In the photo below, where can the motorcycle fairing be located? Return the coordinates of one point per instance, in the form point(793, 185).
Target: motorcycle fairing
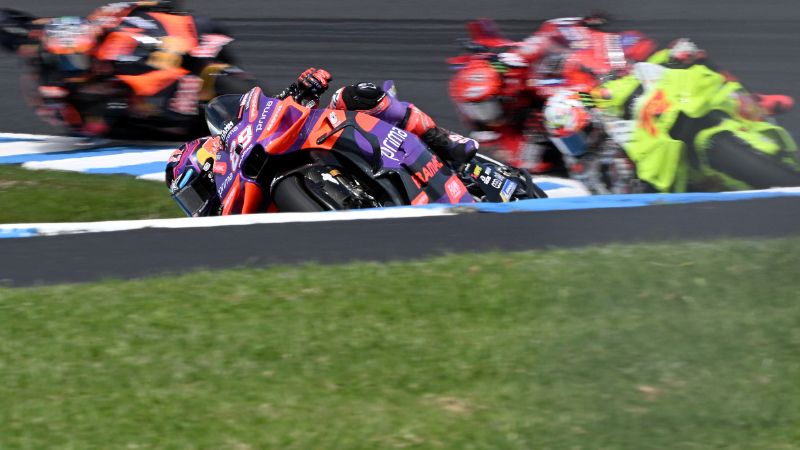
point(676, 118)
point(284, 126)
point(392, 152)
point(148, 50)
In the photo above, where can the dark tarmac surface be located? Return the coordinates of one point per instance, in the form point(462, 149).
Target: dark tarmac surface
point(408, 41)
point(134, 254)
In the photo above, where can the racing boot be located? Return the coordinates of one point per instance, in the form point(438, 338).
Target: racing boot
point(382, 104)
point(450, 146)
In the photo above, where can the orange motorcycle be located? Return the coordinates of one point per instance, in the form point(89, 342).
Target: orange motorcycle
point(126, 70)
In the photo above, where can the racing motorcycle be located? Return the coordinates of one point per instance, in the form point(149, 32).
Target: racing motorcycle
point(501, 98)
point(695, 129)
point(273, 154)
point(150, 70)
point(656, 125)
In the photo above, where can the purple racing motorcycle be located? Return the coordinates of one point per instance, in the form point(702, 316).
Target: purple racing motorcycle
point(275, 155)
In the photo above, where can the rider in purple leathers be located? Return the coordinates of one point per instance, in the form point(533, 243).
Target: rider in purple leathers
point(375, 101)
point(362, 97)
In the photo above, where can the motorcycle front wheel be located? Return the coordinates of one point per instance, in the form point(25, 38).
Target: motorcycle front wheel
point(290, 195)
point(321, 188)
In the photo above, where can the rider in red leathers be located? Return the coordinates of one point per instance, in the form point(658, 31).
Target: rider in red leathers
point(502, 88)
point(528, 101)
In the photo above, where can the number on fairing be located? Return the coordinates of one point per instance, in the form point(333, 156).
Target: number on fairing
point(245, 137)
point(239, 144)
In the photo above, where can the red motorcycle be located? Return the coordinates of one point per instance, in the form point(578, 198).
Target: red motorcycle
point(500, 86)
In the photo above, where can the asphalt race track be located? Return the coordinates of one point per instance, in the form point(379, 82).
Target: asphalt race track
point(133, 254)
point(408, 42)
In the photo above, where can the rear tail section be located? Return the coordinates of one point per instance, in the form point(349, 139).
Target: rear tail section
point(390, 88)
point(484, 35)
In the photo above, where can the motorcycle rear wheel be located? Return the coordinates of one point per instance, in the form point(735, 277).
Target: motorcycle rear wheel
point(734, 157)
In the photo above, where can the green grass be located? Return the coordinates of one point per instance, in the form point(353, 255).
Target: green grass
point(690, 346)
point(29, 196)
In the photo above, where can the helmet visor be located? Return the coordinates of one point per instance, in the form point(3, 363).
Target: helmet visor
point(195, 194)
point(74, 63)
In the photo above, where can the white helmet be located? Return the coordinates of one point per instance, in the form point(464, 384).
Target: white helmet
point(565, 114)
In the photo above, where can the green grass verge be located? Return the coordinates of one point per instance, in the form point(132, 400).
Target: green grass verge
point(691, 346)
point(29, 196)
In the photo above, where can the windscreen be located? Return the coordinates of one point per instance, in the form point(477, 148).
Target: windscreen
point(220, 111)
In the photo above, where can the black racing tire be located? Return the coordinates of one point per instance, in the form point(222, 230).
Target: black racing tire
point(290, 196)
point(538, 192)
point(734, 157)
point(534, 191)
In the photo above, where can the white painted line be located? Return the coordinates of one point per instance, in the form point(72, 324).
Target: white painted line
point(158, 176)
point(41, 137)
point(52, 229)
point(100, 162)
point(28, 147)
point(37, 144)
point(567, 187)
point(786, 190)
point(565, 193)
point(607, 201)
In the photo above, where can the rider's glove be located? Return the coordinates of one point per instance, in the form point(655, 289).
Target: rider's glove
point(312, 84)
point(314, 80)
